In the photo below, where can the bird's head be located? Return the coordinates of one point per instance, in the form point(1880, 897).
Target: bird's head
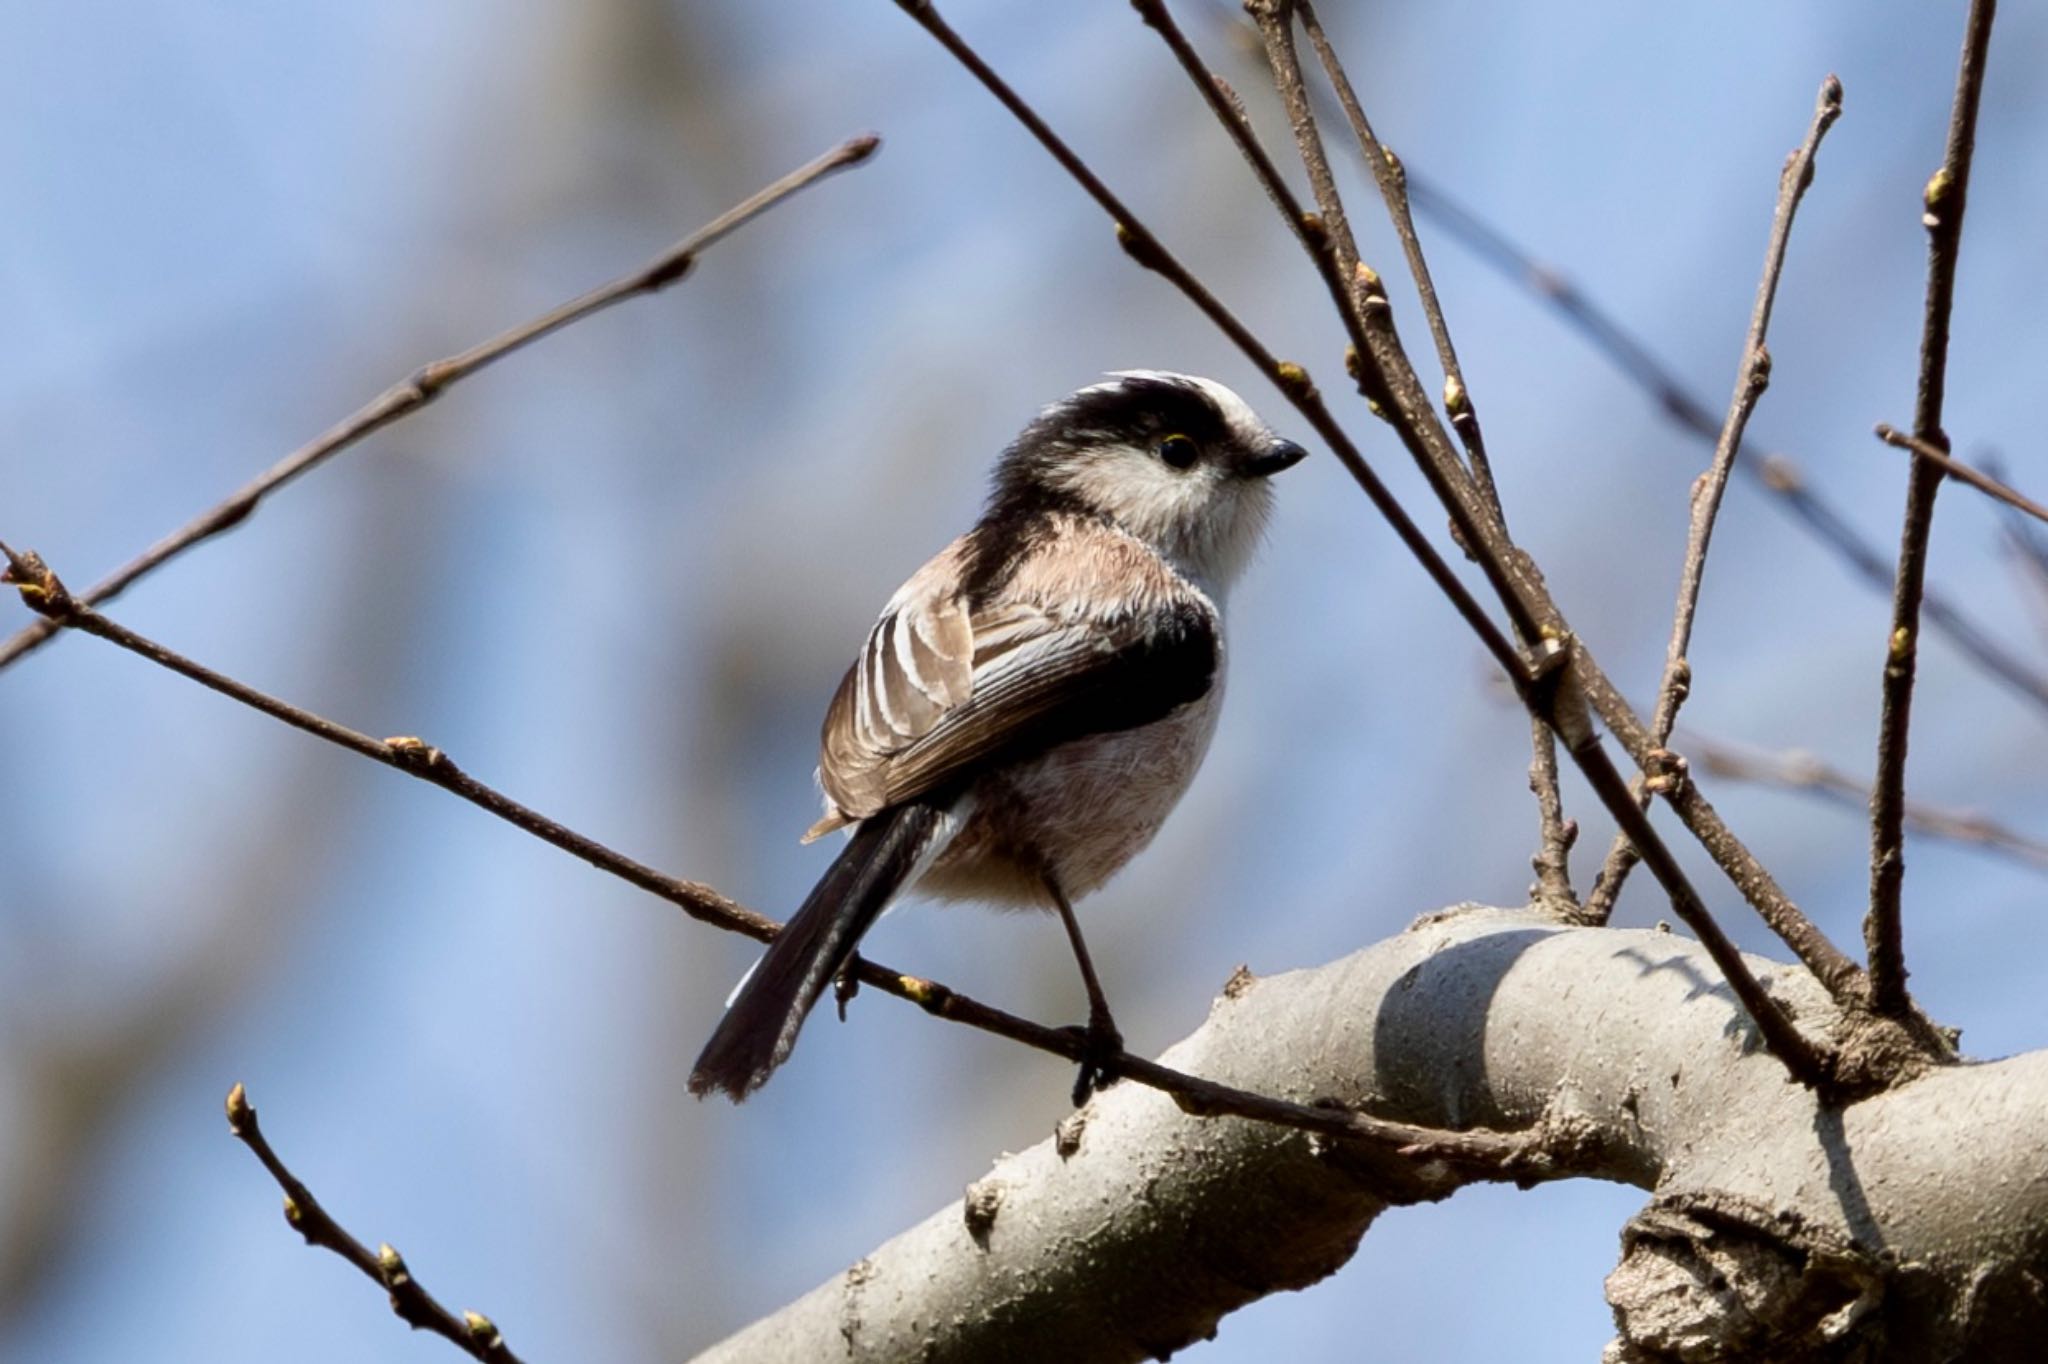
point(1179, 462)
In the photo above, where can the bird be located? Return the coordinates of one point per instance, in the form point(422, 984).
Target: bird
point(1032, 702)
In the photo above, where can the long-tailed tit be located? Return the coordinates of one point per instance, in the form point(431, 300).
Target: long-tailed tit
point(1034, 700)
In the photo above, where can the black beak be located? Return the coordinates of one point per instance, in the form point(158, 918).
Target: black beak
point(1281, 454)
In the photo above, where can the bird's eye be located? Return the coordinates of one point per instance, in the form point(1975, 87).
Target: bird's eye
point(1178, 451)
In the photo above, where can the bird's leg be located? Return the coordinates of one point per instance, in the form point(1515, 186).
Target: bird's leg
point(1103, 1041)
point(844, 988)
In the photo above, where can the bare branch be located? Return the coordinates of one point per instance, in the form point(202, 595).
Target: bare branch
point(1552, 861)
point(2027, 545)
point(1392, 179)
point(1949, 464)
point(472, 1332)
point(46, 593)
point(429, 382)
point(1946, 196)
point(1801, 771)
point(1752, 376)
point(1775, 472)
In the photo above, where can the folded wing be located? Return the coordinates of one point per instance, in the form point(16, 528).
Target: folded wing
point(940, 693)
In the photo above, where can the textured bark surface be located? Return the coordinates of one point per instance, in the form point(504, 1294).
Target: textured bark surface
point(1910, 1225)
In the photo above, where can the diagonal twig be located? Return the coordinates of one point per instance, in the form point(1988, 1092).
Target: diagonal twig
point(1554, 686)
point(2027, 546)
point(472, 1332)
point(44, 592)
point(1556, 834)
point(1949, 464)
point(1753, 375)
point(1801, 771)
point(1946, 195)
point(430, 381)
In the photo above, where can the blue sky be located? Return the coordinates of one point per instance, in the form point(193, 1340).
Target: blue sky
point(618, 576)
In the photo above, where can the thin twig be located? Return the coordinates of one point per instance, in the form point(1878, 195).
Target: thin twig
point(472, 1332)
point(1842, 977)
point(1801, 771)
point(2027, 546)
point(1552, 860)
point(45, 593)
point(424, 385)
point(1542, 684)
point(1777, 473)
point(1752, 376)
point(1949, 464)
point(1556, 834)
point(1354, 291)
point(1558, 696)
point(1946, 195)
point(1392, 179)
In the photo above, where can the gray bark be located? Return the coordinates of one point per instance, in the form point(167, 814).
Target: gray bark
point(1910, 1225)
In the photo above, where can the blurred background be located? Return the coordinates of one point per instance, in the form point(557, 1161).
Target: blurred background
point(619, 574)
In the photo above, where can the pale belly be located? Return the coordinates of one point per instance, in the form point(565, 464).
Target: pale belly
point(1083, 809)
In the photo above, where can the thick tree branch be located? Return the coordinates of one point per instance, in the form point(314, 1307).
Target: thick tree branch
point(430, 381)
point(1619, 1053)
point(1752, 376)
point(472, 1332)
point(1946, 196)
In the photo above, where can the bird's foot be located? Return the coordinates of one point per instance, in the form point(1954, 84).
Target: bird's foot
point(1101, 1044)
point(844, 987)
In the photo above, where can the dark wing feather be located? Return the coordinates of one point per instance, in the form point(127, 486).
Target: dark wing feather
point(1036, 682)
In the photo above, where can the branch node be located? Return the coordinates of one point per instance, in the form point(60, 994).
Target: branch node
point(1665, 773)
point(1939, 186)
point(1456, 401)
point(979, 1207)
point(670, 271)
point(41, 590)
point(1295, 380)
point(482, 1330)
point(1139, 245)
point(1542, 657)
point(928, 995)
point(1316, 232)
point(1240, 982)
point(430, 379)
point(1370, 291)
point(416, 754)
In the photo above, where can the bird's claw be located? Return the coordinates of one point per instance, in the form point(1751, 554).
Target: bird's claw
point(1101, 1044)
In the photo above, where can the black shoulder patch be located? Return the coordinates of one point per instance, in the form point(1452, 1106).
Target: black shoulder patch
point(1149, 679)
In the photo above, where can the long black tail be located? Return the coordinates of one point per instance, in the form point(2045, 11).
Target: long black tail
point(760, 1027)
